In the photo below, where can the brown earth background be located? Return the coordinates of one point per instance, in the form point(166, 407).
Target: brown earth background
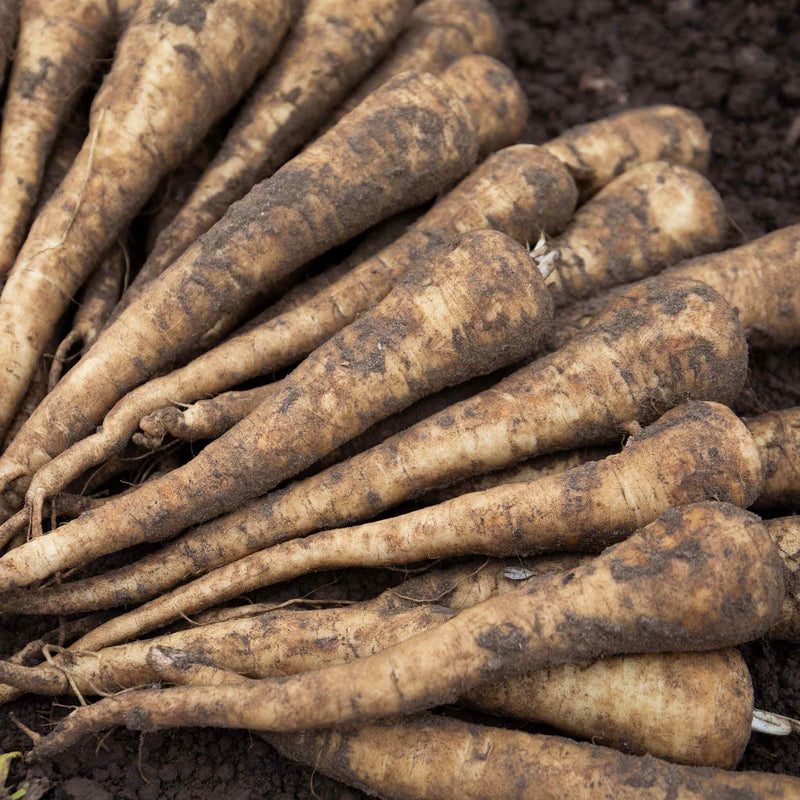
point(737, 64)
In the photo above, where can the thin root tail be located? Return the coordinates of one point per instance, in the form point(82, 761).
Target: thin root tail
point(62, 353)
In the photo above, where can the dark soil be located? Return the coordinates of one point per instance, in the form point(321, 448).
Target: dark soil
point(736, 63)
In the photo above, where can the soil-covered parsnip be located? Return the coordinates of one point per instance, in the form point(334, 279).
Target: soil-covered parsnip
point(786, 533)
point(60, 44)
point(601, 150)
point(432, 757)
point(438, 32)
point(689, 708)
point(521, 190)
point(410, 139)
point(96, 301)
point(662, 344)
point(173, 75)
point(479, 304)
point(364, 759)
point(777, 434)
point(652, 216)
point(332, 46)
point(582, 510)
point(758, 279)
point(668, 588)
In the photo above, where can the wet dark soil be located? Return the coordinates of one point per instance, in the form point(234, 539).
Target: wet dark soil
point(734, 62)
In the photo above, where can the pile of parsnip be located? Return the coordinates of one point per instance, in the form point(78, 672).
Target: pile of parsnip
point(283, 294)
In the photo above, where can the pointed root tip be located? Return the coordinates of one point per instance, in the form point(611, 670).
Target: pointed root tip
point(30, 733)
